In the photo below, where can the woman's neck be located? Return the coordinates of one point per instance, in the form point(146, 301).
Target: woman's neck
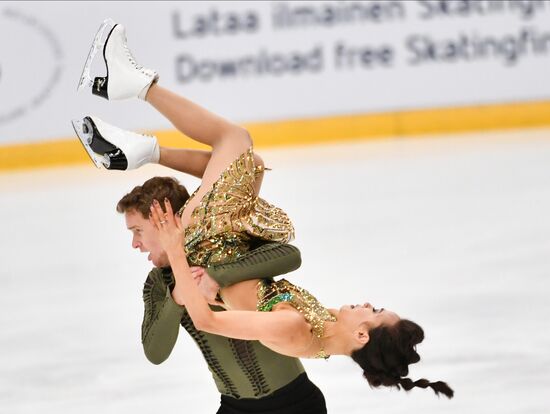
point(336, 340)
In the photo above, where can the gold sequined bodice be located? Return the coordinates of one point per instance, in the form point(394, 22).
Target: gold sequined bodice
point(230, 215)
point(270, 293)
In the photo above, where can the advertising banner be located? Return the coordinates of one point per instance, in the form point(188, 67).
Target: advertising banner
point(268, 61)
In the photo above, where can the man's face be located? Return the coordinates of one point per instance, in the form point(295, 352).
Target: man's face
point(145, 238)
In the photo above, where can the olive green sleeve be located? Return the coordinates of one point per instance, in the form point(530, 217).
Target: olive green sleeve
point(161, 319)
point(268, 260)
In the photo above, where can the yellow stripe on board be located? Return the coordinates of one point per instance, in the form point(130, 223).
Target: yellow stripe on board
point(313, 131)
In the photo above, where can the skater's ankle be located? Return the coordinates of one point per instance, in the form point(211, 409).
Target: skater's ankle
point(155, 156)
point(152, 87)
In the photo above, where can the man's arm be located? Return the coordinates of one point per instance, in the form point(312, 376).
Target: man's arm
point(162, 316)
point(161, 319)
point(267, 261)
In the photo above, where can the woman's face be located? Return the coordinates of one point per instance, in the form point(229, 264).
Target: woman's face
point(355, 315)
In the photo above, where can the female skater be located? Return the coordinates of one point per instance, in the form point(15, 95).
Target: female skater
point(220, 221)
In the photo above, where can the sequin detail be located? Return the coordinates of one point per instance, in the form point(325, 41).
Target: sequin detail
point(230, 215)
point(283, 297)
point(272, 292)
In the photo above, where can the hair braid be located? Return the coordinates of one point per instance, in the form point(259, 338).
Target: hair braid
point(386, 357)
point(438, 386)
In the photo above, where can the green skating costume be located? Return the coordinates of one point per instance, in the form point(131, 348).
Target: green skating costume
point(241, 369)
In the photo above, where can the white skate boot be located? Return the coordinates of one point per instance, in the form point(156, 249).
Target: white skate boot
point(115, 148)
point(125, 78)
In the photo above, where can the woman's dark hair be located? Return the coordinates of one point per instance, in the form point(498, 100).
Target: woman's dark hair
point(385, 358)
point(156, 188)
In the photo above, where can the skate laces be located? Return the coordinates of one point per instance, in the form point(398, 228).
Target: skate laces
point(132, 59)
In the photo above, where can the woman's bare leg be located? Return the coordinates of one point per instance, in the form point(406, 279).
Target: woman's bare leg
point(189, 161)
point(195, 121)
point(194, 162)
point(228, 141)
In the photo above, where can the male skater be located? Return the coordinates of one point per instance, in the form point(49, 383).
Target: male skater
point(250, 377)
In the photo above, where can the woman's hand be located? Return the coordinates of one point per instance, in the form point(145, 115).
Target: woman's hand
point(169, 227)
point(207, 286)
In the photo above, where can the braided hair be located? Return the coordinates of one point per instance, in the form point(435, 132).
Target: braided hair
point(385, 358)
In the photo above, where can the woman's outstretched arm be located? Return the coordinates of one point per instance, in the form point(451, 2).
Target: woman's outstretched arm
point(281, 326)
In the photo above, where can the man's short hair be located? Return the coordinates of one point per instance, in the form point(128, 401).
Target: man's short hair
point(156, 188)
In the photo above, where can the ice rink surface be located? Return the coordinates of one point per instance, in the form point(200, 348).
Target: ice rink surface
point(452, 232)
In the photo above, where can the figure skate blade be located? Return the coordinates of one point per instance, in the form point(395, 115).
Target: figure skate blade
point(86, 80)
point(84, 131)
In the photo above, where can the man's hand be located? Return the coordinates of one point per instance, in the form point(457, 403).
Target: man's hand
point(208, 286)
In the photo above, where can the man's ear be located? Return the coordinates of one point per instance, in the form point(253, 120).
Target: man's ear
point(361, 334)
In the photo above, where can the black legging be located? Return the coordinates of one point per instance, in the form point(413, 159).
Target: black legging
point(301, 396)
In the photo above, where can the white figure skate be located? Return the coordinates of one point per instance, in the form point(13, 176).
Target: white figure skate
point(115, 148)
point(125, 78)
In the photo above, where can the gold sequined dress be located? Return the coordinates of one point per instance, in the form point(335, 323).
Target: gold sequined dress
point(224, 224)
point(230, 215)
point(271, 292)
